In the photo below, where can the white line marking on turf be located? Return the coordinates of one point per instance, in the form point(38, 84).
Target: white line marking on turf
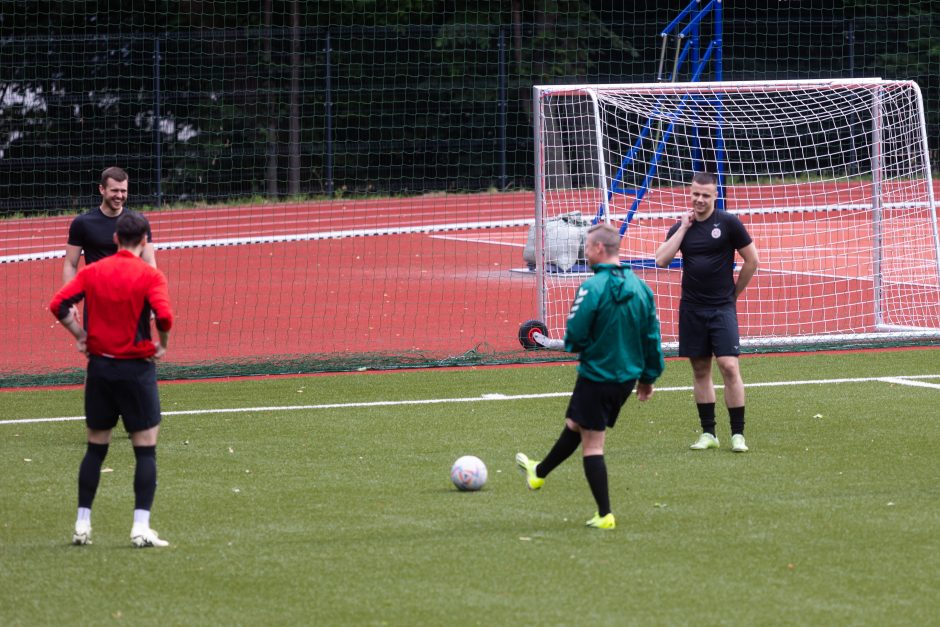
point(491, 397)
point(477, 240)
point(908, 381)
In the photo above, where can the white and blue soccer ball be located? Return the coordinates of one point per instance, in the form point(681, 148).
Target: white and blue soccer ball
point(468, 473)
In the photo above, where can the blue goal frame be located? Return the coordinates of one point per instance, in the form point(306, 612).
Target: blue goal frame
point(689, 44)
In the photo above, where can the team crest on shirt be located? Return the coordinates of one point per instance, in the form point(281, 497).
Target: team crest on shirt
point(716, 233)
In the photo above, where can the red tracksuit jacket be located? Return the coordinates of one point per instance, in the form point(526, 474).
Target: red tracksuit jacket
point(120, 291)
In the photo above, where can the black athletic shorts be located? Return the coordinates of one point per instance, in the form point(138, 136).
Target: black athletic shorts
point(121, 387)
point(595, 406)
point(707, 332)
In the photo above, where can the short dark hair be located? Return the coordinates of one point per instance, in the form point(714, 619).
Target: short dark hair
point(131, 227)
point(114, 173)
point(608, 235)
point(705, 178)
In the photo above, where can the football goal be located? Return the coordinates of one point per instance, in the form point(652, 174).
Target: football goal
point(831, 177)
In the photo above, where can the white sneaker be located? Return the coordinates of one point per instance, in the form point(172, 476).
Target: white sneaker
point(142, 537)
point(82, 533)
point(706, 440)
point(737, 443)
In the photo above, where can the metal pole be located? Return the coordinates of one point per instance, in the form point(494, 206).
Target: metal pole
point(720, 140)
point(719, 35)
point(501, 108)
point(539, 229)
point(675, 63)
point(925, 151)
point(601, 163)
point(876, 203)
point(662, 58)
point(157, 139)
point(850, 36)
point(328, 110)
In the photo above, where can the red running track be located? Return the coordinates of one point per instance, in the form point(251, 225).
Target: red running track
point(436, 293)
point(411, 293)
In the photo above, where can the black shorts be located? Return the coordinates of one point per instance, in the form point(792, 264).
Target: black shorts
point(121, 387)
point(595, 406)
point(707, 332)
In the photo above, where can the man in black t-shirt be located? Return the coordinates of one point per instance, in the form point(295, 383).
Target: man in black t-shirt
point(92, 233)
point(708, 320)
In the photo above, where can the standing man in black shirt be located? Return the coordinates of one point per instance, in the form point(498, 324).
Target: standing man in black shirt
point(708, 320)
point(92, 233)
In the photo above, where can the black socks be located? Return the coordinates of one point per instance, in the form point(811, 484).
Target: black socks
point(595, 470)
point(145, 476)
point(737, 419)
point(706, 416)
point(566, 444)
point(89, 473)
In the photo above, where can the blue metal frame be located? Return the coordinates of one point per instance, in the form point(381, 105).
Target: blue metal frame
point(691, 52)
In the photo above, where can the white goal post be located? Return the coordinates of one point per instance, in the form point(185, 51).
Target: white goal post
point(831, 177)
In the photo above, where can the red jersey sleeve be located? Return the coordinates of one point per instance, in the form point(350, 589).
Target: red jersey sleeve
point(70, 294)
point(159, 298)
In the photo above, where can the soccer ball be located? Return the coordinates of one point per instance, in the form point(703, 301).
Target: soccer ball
point(468, 473)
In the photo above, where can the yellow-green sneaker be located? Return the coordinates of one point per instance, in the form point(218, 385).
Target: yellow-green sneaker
point(602, 522)
point(528, 469)
point(738, 445)
point(705, 441)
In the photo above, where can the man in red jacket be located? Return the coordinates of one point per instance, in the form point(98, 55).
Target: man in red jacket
point(120, 292)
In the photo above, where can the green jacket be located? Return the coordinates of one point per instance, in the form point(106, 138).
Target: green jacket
point(613, 325)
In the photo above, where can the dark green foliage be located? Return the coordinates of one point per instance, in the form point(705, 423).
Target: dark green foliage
point(205, 101)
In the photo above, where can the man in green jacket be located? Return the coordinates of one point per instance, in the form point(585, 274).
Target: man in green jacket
point(614, 328)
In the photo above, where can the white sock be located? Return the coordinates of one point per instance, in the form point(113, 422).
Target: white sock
point(84, 513)
point(142, 517)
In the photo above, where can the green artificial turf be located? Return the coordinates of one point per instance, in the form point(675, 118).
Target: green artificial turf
point(345, 516)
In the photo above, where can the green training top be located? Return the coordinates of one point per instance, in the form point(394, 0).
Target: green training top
point(613, 325)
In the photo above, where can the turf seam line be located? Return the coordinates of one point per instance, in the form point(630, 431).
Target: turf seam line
point(911, 380)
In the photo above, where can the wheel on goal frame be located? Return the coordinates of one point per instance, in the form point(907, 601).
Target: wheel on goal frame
point(526, 329)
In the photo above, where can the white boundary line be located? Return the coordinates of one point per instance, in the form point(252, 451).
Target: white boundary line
point(408, 229)
point(907, 381)
point(912, 380)
point(297, 237)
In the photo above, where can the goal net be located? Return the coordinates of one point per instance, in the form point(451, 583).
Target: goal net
point(831, 178)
